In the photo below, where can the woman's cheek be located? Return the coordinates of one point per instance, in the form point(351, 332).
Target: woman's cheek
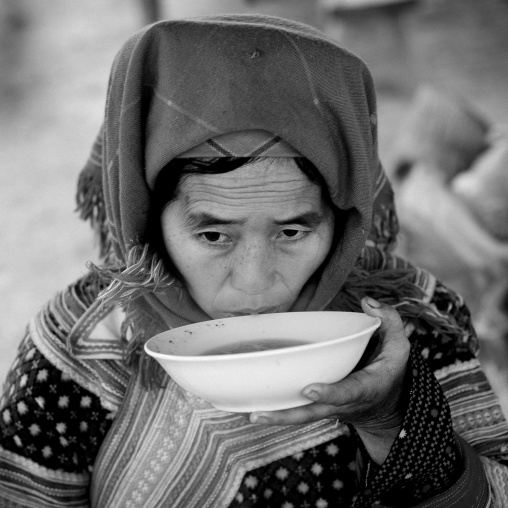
point(203, 268)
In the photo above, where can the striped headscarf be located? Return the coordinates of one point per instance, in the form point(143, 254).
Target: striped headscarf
point(251, 143)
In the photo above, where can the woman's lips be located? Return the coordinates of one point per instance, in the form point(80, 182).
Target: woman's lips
point(250, 312)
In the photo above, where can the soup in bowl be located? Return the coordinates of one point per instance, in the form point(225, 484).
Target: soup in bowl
point(263, 362)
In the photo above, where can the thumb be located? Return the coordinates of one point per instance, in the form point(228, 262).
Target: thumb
point(391, 328)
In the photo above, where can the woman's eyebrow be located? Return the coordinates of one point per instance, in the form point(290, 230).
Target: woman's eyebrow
point(205, 219)
point(305, 219)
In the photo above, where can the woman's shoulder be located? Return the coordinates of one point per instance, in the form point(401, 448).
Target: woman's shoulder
point(443, 327)
point(455, 340)
point(63, 331)
point(40, 400)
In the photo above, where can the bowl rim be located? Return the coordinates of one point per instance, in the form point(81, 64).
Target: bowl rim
point(258, 354)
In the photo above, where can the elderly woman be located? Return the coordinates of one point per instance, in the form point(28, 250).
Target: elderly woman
point(237, 173)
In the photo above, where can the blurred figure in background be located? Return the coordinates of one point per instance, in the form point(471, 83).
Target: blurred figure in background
point(450, 167)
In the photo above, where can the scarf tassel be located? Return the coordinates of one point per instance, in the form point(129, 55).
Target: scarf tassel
point(143, 274)
point(91, 207)
point(386, 286)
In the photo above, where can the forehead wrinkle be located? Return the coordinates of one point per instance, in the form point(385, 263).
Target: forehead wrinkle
point(239, 198)
point(296, 201)
point(244, 187)
point(284, 189)
point(255, 174)
point(224, 206)
point(198, 182)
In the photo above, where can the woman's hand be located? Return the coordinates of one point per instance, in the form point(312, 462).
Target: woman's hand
point(369, 398)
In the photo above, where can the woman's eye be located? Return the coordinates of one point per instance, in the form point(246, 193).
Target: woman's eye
point(293, 234)
point(214, 237)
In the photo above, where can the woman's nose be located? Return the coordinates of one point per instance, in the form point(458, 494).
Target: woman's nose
point(253, 271)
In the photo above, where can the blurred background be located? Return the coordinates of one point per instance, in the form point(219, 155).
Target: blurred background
point(441, 72)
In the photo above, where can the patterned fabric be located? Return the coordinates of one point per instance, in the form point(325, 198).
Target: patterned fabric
point(48, 418)
point(321, 477)
point(57, 412)
point(169, 448)
point(50, 430)
point(26, 484)
point(315, 476)
point(248, 143)
point(498, 481)
point(385, 226)
point(329, 474)
point(424, 459)
point(102, 373)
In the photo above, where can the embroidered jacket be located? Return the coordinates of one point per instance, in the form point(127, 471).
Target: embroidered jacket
point(84, 432)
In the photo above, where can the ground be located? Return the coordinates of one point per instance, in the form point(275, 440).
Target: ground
point(55, 59)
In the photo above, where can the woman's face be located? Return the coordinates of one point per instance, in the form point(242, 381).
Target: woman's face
point(247, 241)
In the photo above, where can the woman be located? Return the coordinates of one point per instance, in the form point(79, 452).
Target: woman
point(237, 172)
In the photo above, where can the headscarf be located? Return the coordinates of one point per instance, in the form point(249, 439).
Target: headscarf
point(176, 84)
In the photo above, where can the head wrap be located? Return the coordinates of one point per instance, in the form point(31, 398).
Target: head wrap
point(175, 85)
point(252, 143)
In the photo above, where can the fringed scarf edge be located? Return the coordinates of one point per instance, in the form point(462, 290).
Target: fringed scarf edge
point(90, 206)
point(386, 285)
point(143, 274)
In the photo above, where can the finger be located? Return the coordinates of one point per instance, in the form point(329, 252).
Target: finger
point(295, 416)
point(351, 389)
point(391, 323)
point(409, 328)
point(391, 329)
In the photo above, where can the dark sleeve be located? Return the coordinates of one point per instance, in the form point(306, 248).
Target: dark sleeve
point(47, 418)
point(425, 459)
point(429, 463)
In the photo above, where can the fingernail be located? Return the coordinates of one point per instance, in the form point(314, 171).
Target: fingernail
point(371, 302)
point(409, 329)
point(258, 419)
point(311, 394)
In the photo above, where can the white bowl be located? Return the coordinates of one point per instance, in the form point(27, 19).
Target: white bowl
point(264, 380)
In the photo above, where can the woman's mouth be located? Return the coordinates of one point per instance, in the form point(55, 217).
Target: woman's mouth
point(251, 312)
